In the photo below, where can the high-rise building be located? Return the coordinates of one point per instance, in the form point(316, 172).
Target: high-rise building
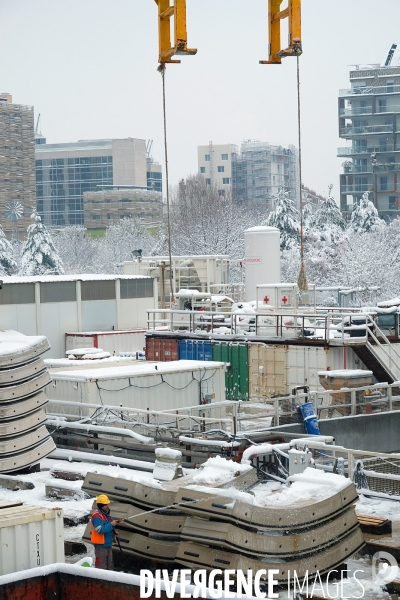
point(369, 117)
point(17, 166)
point(215, 164)
point(253, 174)
point(262, 169)
point(64, 172)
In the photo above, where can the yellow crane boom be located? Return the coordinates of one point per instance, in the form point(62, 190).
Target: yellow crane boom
point(176, 9)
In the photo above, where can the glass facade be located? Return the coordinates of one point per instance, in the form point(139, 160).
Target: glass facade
point(61, 182)
point(154, 181)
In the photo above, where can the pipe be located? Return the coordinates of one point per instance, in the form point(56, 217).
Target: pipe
point(58, 424)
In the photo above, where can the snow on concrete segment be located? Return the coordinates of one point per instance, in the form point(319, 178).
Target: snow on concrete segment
point(105, 459)
point(218, 470)
point(13, 342)
point(137, 369)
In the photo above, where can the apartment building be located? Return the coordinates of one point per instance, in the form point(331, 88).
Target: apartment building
point(255, 173)
point(369, 118)
point(17, 166)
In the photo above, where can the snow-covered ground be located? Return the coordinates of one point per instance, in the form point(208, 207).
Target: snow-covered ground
point(303, 488)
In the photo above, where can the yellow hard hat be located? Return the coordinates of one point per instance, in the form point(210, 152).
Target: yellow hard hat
point(102, 499)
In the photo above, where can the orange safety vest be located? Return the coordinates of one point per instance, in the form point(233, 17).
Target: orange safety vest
point(95, 537)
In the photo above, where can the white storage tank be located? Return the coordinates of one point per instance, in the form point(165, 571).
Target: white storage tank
point(262, 258)
point(157, 386)
point(30, 536)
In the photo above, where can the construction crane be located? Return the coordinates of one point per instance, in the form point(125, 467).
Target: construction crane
point(176, 9)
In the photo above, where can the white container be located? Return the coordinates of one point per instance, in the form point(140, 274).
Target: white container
point(157, 386)
point(113, 342)
point(30, 537)
point(262, 258)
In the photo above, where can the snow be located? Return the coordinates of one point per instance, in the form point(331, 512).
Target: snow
point(13, 342)
point(82, 351)
point(68, 363)
point(345, 373)
point(218, 470)
point(73, 277)
point(105, 459)
point(168, 453)
point(285, 217)
point(200, 442)
point(136, 370)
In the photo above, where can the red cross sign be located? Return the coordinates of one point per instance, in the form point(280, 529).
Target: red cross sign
point(266, 299)
point(284, 299)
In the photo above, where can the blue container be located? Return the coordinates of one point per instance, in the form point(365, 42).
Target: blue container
point(309, 418)
point(185, 350)
point(195, 350)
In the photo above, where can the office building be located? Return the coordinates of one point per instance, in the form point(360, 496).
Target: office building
point(103, 208)
point(65, 172)
point(369, 118)
point(17, 166)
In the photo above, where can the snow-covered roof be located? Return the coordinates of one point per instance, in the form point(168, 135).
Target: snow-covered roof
point(346, 373)
point(79, 277)
point(136, 370)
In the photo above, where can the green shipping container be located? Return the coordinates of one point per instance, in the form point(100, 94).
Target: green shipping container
point(237, 375)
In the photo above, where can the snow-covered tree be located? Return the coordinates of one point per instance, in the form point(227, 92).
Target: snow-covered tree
point(39, 256)
point(285, 217)
point(328, 221)
point(8, 264)
point(78, 251)
point(308, 216)
point(364, 216)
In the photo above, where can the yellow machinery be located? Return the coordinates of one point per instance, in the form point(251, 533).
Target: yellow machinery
point(177, 9)
point(166, 11)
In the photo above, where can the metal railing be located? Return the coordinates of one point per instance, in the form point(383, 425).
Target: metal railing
point(332, 325)
point(236, 417)
point(356, 187)
point(368, 149)
point(353, 130)
point(378, 89)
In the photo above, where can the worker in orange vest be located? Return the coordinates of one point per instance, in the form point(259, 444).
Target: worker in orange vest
point(103, 534)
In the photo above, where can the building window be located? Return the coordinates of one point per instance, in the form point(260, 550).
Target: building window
point(208, 181)
point(224, 157)
point(63, 291)
point(96, 217)
point(202, 169)
point(109, 216)
point(384, 184)
point(226, 180)
point(207, 158)
point(392, 203)
point(18, 293)
point(221, 169)
point(136, 288)
point(382, 106)
point(98, 290)
point(390, 86)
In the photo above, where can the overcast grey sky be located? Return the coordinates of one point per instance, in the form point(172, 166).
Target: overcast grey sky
point(89, 68)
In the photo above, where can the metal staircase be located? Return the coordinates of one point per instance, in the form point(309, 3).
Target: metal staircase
point(378, 354)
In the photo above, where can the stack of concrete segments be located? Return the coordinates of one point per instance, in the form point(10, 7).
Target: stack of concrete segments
point(201, 521)
point(24, 439)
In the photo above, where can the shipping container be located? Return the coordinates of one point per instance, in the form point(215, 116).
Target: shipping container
point(162, 349)
point(195, 350)
point(274, 370)
point(113, 342)
point(235, 355)
point(157, 386)
point(30, 536)
point(267, 370)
